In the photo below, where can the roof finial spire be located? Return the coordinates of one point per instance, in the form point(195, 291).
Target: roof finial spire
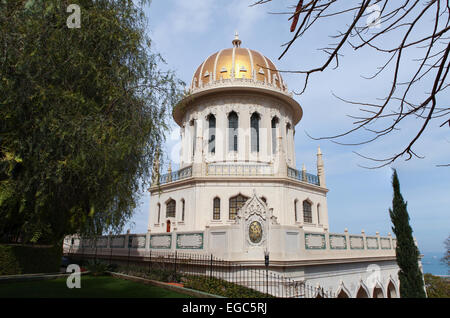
point(236, 42)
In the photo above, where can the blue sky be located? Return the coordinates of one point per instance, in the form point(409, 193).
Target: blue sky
point(187, 32)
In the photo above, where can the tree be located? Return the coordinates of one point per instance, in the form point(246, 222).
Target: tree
point(82, 111)
point(407, 253)
point(437, 287)
point(412, 37)
point(446, 258)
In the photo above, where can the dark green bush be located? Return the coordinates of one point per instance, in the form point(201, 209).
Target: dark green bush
point(221, 287)
point(97, 267)
point(437, 287)
point(26, 259)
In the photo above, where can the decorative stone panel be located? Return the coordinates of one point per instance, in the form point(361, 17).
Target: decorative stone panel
point(138, 241)
point(356, 242)
point(314, 241)
point(85, 242)
point(372, 243)
point(102, 242)
point(385, 243)
point(190, 241)
point(118, 241)
point(161, 241)
point(338, 242)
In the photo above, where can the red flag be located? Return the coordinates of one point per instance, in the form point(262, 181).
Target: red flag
point(297, 14)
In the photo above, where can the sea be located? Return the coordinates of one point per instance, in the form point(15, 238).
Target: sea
point(432, 264)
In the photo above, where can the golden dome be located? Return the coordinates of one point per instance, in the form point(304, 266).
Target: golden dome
point(237, 62)
point(237, 70)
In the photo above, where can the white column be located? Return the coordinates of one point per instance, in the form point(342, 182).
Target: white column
point(320, 168)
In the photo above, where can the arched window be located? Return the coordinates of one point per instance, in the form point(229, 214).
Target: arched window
point(212, 134)
point(193, 124)
point(288, 140)
point(318, 213)
point(274, 134)
point(362, 293)
point(216, 209)
point(182, 209)
point(254, 126)
point(159, 212)
point(391, 292)
point(295, 210)
point(233, 131)
point(263, 199)
point(342, 294)
point(235, 204)
point(170, 209)
point(307, 212)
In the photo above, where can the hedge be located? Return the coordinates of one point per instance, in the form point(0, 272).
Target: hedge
point(26, 259)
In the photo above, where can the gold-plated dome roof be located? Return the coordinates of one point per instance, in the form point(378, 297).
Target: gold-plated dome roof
point(237, 70)
point(237, 62)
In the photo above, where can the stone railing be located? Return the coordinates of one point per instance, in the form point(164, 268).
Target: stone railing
point(359, 243)
point(303, 176)
point(241, 82)
point(160, 241)
point(216, 169)
point(295, 244)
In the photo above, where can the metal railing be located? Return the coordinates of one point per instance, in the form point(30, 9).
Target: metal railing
point(260, 279)
point(303, 176)
point(183, 173)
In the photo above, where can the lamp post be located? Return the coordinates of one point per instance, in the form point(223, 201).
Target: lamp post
point(266, 263)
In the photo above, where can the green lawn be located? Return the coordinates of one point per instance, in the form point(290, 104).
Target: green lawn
point(101, 286)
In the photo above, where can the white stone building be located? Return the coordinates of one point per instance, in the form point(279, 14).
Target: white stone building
point(239, 195)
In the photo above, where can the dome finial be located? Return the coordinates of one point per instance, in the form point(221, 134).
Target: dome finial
point(236, 42)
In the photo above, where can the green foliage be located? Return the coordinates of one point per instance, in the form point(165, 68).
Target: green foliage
point(82, 112)
point(221, 287)
point(446, 258)
point(160, 274)
point(437, 287)
point(97, 267)
point(211, 285)
point(19, 259)
point(410, 276)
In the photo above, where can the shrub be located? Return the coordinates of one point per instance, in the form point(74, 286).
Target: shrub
point(437, 287)
point(97, 267)
point(27, 259)
point(221, 287)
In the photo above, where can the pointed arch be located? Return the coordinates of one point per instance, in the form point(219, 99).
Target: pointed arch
point(362, 291)
point(211, 133)
point(274, 124)
point(170, 208)
point(159, 212)
point(318, 213)
point(342, 292)
point(216, 208)
point(296, 210)
point(235, 203)
point(183, 208)
point(391, 289)
point(233, 126)
point(254, 133)
point(378, 291)
point(307, 211)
